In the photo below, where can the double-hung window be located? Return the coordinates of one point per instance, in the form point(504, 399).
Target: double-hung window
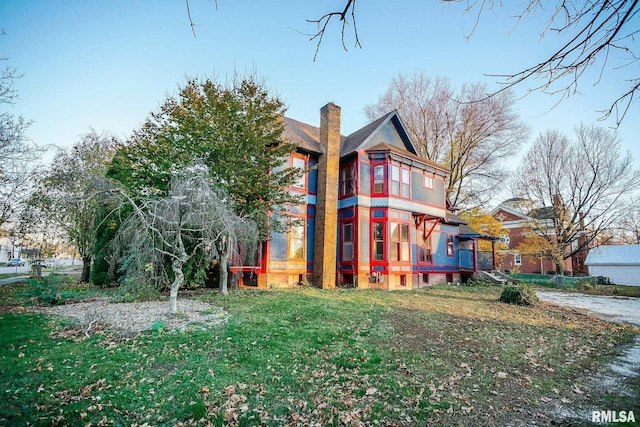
point(425, 250)
point(296, 239)
point(517, 259)
point(378, 179)
point(399, 237)
point(347, 180)
point(347, 242)
point(300, 163)
point(400, 181)
point(378, 241)
point(428, 182)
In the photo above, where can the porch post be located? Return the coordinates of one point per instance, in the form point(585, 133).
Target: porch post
point(493, 250)
point(475, 256)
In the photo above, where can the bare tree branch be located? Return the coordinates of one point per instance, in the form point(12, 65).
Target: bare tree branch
point(596, 29)
point(461, 129)
point(575, 191)
point(323, 22)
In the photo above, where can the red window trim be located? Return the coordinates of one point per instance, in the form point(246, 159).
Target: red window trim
point(451, 245)
point(385, 186)
point(304, 158)
point(354, 178)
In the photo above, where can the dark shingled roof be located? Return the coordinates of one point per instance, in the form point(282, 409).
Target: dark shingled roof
point(454, 219)
point(547, 212)
point(306, 136)
point(352, 142)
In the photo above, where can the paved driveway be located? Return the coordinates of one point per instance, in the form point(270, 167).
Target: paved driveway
point(616, 309)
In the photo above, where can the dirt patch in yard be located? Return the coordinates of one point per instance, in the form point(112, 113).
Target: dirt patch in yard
point(139, 316)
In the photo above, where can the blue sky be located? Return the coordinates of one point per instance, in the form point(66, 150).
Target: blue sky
point(108, 64)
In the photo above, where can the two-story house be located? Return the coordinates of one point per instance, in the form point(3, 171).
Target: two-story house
point(375, 213)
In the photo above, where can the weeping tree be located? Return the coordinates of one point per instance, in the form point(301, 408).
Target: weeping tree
point(195, 215)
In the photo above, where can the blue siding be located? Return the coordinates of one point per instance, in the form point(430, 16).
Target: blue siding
point(313, 176)
point(311, 222)
point(466, 259)
point(433, 196)
point(365, 178)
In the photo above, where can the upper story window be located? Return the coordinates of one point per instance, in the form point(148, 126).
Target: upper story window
point(378, 179)
point(400, 181)
point(348, 179)
point(406, 183)
point(300, 163)
point(517, 259)
point(429, 182)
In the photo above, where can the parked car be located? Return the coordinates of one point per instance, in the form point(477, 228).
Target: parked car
point(15, 262)
point(43, 263)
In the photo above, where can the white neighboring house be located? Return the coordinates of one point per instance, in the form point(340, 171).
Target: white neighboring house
point(620, 263)
point(9, 248)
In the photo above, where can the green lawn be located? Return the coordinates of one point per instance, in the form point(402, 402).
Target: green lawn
point(442, 356)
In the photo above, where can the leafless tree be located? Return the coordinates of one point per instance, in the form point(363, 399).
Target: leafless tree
point(627, 229)
point(575, 191)
point(194, 216)
point(68, 194)
point(17, 154)
point(463, 130)
point(592, 33)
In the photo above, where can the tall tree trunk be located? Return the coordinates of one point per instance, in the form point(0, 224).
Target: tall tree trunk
point(223, 251)
point(176, 265)
point(86, 269)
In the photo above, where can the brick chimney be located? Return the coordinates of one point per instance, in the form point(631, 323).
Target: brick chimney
point(326, 221)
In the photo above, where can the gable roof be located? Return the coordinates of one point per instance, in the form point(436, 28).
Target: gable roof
point(614, 255)
point(306, 136)
point(359, 139)
point(509, 206)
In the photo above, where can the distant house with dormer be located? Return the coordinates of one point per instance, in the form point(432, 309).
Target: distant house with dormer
point(516, 219)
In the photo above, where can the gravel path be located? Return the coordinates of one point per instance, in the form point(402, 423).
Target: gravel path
point(616, 309)
point(140, 316)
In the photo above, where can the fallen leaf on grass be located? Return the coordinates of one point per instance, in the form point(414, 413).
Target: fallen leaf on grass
point(502, 375)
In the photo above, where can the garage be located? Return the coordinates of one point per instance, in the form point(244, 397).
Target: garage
point(620, 263)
